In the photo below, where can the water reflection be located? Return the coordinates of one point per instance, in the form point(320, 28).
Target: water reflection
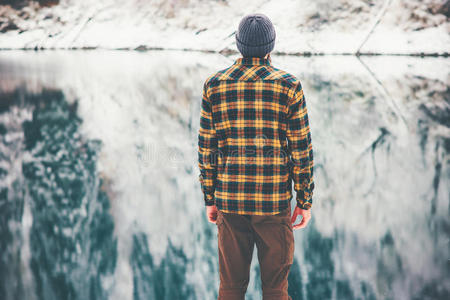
point(99, 195)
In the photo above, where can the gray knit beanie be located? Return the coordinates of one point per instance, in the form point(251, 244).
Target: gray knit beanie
point(255, 35)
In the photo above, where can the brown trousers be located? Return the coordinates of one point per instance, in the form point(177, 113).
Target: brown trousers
point(274, 238)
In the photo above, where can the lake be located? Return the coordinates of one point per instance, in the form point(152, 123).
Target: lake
point(99, 192)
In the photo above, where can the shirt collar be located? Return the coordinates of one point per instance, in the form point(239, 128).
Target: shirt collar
point(253, 61)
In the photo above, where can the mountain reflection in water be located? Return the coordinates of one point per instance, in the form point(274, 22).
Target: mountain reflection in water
point(99, 190)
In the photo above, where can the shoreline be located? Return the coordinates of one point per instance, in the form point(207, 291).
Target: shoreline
point(227, 52)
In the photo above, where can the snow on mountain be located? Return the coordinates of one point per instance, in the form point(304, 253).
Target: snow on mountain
point(341, 26)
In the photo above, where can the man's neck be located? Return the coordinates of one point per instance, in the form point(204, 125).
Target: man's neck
point(265, 57)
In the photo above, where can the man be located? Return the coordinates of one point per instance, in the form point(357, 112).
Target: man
point(253, 141)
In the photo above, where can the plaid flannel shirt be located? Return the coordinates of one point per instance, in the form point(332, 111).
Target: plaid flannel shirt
point(254, 139)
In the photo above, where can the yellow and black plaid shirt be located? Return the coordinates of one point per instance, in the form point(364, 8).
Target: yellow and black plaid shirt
point(254, 139)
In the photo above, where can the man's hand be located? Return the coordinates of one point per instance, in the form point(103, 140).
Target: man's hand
point(211, 213)
point(305, 213)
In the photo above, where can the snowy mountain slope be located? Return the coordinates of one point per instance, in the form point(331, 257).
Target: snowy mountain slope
point(340, 26)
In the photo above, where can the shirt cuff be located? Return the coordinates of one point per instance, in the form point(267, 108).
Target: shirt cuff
point(209, 199)
point(208, 196)
point(304, 200)
point(304, 205)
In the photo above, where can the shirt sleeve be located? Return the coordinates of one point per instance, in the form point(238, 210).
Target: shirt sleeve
point(207, 149)
point(300, 147)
